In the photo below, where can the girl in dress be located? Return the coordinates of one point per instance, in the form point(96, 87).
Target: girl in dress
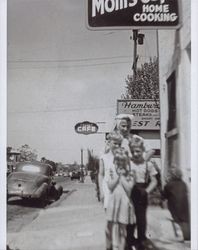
point(107, 163)
point(120, 211)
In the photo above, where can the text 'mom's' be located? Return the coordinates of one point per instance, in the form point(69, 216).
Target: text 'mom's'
point(107, 6)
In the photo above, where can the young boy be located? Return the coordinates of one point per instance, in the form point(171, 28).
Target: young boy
point(145, 182)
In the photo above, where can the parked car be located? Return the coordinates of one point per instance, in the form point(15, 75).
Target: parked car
point(60, 173)
point(75, 175)
point(33, 180)
point(66, 174)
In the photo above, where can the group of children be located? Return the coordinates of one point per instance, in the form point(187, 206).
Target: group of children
point(126, 177)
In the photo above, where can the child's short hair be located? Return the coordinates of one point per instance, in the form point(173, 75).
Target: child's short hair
point(115, 136)
point(136, 142)
point(121, 154)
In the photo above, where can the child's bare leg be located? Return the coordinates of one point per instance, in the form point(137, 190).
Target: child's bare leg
point(108, 233)
point(122, 236)
point(115, 236)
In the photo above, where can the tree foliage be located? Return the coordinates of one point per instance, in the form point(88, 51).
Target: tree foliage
point(145, 83)
point(27, 153)
point(51, 163)
point(93, 162)
point(9, 149)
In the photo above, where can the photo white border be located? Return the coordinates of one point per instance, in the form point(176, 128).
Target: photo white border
point(194, 126)
point(3, 120)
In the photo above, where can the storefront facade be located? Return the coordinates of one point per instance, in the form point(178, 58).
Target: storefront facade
point(175, 85)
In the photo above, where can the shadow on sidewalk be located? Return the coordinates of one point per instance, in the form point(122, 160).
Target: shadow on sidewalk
point(149, 245)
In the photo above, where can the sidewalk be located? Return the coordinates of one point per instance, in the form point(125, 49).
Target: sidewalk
point(79, 222)
point(160, 230)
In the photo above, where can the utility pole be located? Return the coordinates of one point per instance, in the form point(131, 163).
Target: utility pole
point(135, 37)
point(81, 167)
point(81, 154)
point(157, 44)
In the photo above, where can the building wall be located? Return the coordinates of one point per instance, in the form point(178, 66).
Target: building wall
point(166, 50)
point(174, 47)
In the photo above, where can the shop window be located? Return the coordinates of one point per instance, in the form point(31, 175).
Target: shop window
point(171, 82)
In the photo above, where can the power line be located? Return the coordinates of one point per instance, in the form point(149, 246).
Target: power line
point(74, 66)
point(59, 110)
point(67, 60)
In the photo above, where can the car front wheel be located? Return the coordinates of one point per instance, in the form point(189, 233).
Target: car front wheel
point(58, 192)
point(43, 201)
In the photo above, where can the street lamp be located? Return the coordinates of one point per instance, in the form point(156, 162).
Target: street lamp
point(140, 39)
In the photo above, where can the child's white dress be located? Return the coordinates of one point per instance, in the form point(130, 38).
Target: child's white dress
point(120, 212)
point(120, 208)
point(107, 159)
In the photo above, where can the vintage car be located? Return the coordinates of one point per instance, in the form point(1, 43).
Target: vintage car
point(33, 180)
point(75, 175)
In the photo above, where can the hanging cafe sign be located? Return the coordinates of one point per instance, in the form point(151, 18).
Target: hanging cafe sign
point(86, 128)
point(133, 14)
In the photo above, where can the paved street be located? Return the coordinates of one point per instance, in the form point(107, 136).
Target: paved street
point(22, 212)
point(78, 221)
point(72, 223)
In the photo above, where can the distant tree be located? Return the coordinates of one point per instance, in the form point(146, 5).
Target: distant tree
point(51, 163)
point(145, 83)
point(27, 153)
point(8, 153)
point(75, 163)
point(9, 149)
point(93, 162)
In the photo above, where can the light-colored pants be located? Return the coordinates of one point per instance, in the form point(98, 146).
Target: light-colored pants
point(115, 235)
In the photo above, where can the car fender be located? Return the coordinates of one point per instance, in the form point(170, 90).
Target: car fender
point(41, 191)
point(59, 188)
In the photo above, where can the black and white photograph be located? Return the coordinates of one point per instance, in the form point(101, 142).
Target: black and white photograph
point(98, 152)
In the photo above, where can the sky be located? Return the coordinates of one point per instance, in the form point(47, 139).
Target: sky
point(60, 73)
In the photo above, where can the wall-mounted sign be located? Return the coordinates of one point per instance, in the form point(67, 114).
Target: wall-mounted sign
point(146, 113)
point(133, 14)
point(86, 128)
